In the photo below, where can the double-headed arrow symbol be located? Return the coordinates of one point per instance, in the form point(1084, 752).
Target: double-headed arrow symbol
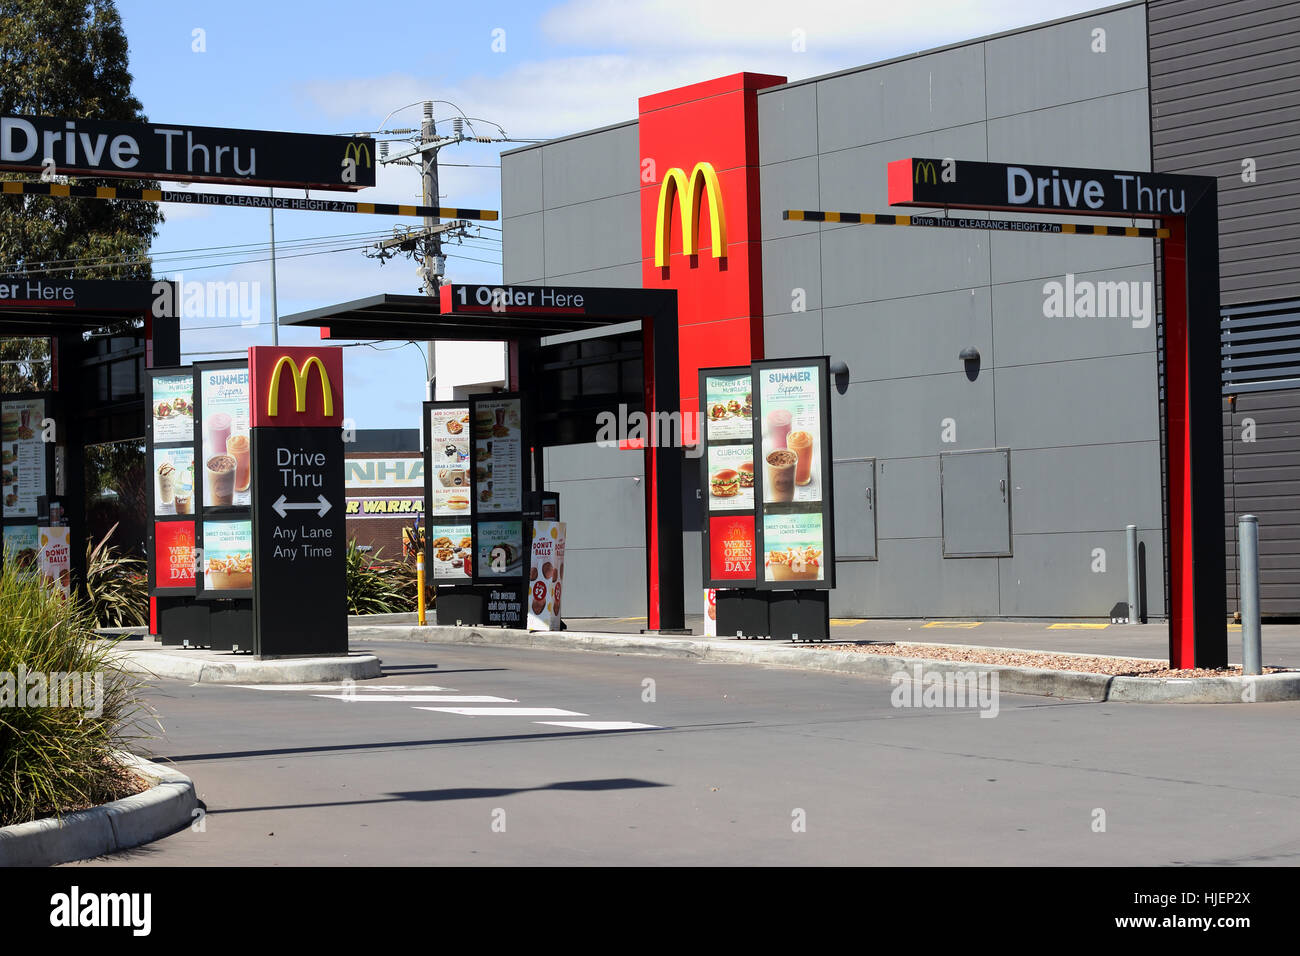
point(320, 506)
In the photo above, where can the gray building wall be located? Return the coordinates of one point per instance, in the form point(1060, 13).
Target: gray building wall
point(1074, 400)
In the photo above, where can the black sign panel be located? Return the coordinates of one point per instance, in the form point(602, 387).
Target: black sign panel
point(300, 542)
point(505, 606)
point(962, 184)
point(185, 153)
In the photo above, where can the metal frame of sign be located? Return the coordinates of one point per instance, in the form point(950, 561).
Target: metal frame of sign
point(429, 518)
point(827, 506)
point(39, 519)
point(705, 514)
point(206, 512)
point(476, 517)
point(193, 518)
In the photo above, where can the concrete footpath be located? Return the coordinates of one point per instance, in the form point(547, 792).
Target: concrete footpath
point(149, 658)
point(1012, 679)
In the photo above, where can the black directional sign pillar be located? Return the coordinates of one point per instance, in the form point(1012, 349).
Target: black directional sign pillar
point(299, 533)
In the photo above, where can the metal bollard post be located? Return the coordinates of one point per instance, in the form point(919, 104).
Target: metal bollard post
point(1248, 568)
point(419, 582)
point(1134, 613)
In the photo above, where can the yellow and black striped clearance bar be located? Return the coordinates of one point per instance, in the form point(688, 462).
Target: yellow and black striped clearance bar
point(228, 199)
point(960, 222)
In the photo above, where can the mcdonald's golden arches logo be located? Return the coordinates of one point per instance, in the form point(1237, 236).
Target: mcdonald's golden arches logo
point(691, 191)
point(300, 386)
point(925, 172)
point(354, 151)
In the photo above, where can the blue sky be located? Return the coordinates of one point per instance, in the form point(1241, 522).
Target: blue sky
point(340, 67)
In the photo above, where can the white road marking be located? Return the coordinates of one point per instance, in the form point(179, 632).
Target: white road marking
point(599, 724)
point(422, 698)
point(358, 687)
point(506, 711)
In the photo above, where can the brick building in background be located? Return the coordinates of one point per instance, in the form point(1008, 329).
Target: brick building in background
point(384, 478)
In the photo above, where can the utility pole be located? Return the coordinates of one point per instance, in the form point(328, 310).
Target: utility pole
point(275, 309)
point(432, 264)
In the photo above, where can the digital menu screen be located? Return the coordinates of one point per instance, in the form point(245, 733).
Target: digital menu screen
point(794, 529)
point(498, 455)
point(224, 465)
point(449, 441)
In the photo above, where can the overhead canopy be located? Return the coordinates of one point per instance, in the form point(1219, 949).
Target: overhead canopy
point(37, 306)
point(486, 312)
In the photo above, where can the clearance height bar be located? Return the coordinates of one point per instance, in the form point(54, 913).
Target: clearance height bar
point(228, 199)
point(945, 222)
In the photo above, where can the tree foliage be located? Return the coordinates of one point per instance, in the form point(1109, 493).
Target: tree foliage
point(66, 58)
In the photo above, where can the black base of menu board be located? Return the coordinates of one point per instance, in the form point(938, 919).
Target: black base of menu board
point(742, 612)
point(218, 624)
point(799, 615)
point(776, 615)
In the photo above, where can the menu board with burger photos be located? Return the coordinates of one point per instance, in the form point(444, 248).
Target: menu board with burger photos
point(498, 454)
point(23, 465)
point(448, 485)
point(727, 476)
point(449, 464)
point(199, 451)
point(795, 524)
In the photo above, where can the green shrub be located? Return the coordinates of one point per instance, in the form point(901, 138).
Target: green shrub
point(56, 759)
point(117, 585)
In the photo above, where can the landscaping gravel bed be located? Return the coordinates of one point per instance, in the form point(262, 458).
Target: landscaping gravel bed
point(1112, 666)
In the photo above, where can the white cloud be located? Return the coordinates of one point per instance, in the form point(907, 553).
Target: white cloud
point(767, 26)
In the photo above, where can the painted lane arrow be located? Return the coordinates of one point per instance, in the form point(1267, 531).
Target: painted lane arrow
point(320, 506)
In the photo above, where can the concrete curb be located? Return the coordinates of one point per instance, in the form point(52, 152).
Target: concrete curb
point(288, 670)
point(161, 810)
point(1011, 679)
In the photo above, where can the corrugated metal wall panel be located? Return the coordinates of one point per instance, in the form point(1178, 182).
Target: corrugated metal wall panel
point(1225, 86)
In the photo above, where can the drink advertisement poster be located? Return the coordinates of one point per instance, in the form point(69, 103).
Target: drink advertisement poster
point(790, 399)
point(173, 408)
point(731, 548)
point(793, 547)
point(173, 481)
point(228, 555)
point(22, 456)
point(710, 612)
point(450, 551)
point(56, 559)
point(546, 576)
point(22, 544)
point(728, 411)
point(449, 440)
point(223, 401)
point(173, 554)
point(731, 477)
point(499, 552)
point(498, 455)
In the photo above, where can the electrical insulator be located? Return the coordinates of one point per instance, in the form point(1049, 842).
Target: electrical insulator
point(458, 126)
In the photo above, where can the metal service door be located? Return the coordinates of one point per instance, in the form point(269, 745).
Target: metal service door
point(855, 509)
point(976, 491)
